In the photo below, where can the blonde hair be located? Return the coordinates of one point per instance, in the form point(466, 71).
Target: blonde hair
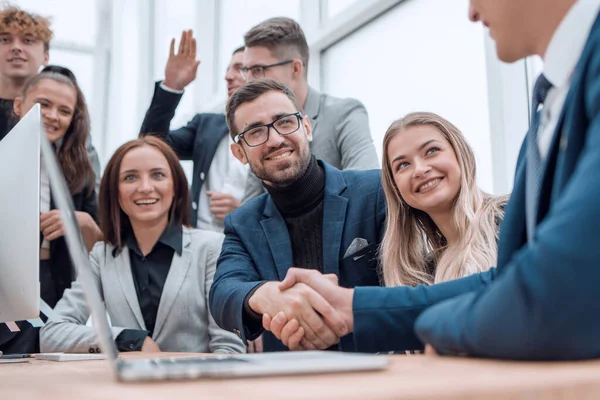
point(412, 241)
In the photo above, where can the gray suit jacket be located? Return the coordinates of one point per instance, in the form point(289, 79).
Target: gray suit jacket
point(341, 136)
point(183, 321)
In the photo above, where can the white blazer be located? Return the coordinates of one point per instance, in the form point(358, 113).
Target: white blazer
point(183, 320)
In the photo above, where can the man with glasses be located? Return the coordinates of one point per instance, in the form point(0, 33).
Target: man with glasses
point(314, 216)
point(277, 49)
point(220, 182)
point(24, 48)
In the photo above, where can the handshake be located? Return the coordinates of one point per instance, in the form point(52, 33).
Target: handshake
point(306, 311)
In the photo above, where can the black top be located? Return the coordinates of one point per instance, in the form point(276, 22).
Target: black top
point(7, 118)
point(303, 195)
point(301, 205)
point(149, 276)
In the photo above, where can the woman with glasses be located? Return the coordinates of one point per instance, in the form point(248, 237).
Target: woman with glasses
point(66, 121)
point(440, 225)
point(153, 271)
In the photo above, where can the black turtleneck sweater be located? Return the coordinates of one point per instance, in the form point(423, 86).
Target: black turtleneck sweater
point(301, 205)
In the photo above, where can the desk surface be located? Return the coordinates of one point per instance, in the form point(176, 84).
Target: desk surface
point(408, 377)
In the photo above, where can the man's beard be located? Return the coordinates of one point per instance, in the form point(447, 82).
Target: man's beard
point(287, 172)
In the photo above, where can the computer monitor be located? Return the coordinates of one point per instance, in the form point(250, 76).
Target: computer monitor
point(20, 219)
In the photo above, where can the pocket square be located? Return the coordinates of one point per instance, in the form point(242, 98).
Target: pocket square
point(355, 248)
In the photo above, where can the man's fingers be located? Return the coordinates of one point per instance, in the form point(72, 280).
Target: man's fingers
point(323, 332)
point(188, 43)
point(220, 202)
point(48, 230)
point(55, 234)
point(319, 282)
point(293, 276)
point(289, 332)
point(306, 345)
point(332, 278)
point(266, 322)
point(214, 196)
point(295, 339)
point(277, 324)
point(331, 317)
point(172, 48)
point(193, 48)
point(182, 43)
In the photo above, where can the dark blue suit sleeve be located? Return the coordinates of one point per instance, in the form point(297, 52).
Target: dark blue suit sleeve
point(158, 119)
point(544, 305)
point(235, 278)
point(384, 317)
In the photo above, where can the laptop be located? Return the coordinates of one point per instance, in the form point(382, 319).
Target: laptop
point(210, 366)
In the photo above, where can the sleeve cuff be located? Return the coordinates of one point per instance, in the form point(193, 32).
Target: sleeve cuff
point(168, 89)
point(131, 340)
point(251, 319)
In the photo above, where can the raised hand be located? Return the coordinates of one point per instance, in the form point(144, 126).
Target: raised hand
point(322, 325)
point(182, 67)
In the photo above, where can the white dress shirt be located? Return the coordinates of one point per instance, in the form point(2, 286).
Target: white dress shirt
point(225, 175)
point(560, 60)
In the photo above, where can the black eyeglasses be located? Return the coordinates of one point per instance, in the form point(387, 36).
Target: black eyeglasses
point(257, 135)
point(258, 71)
point(60, 70)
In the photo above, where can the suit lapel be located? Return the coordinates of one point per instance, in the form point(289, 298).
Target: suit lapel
point(278, 238)
point(123, 267)
point(544, 198)
point(334, 219)
point(177, 273)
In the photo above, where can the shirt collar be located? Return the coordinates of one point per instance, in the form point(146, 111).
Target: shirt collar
point(568, 41)
point(172, 237)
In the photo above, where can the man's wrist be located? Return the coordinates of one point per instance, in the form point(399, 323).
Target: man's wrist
point(171, 87)
point(346, 309)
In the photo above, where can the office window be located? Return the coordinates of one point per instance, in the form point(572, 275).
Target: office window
point(336, 7)
point(421, 55)
point(73, 21)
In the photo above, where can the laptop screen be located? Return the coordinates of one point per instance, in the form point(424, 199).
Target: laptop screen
point(77, 249)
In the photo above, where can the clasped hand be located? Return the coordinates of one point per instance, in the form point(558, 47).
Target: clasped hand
point(306, 311)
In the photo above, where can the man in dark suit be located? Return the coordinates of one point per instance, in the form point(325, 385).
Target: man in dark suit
point(219, 180)
point(314, 216)
point(543, 303)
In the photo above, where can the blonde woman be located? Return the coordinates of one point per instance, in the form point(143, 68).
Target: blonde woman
point(440, 226)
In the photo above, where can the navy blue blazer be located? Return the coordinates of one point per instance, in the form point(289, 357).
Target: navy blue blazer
point(544, 304)
point(257, 247)
point(197, 141)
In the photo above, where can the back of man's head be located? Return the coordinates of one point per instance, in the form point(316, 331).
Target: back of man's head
point(252, 91)
point(14, 19)
point(282, 36)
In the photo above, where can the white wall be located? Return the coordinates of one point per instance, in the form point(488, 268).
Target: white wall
point(420, 56)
